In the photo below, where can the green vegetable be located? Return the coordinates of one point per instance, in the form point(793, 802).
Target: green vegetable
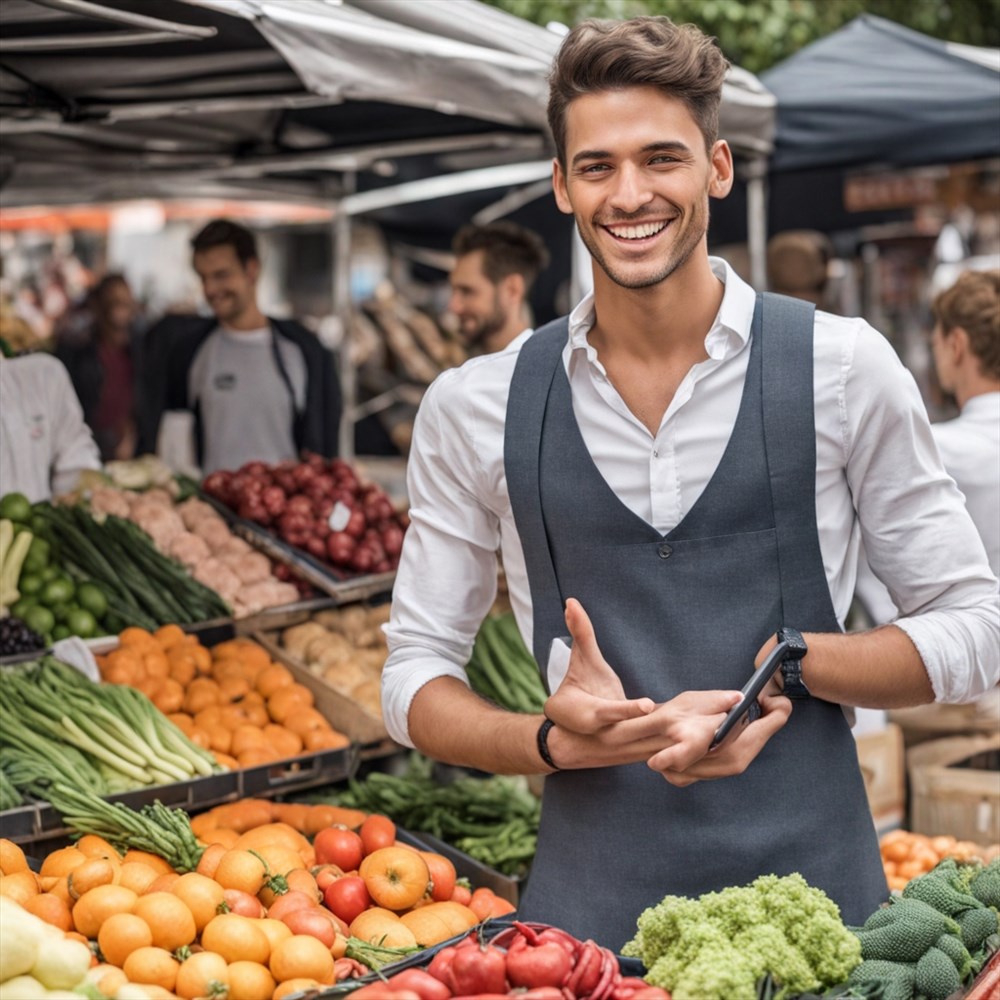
point(985, 886)
point(494, 820)
point(13, 551)
point(501, 668)
point(30, 584)
point(58, 591)
point(375, 956)
point(936, 889)
point(81, 623)
point(15, 507)
point(952, 946)
point(977, 926)
point(936, 975)
point(898, 979)
point(903, 931)
point(721, 944)
point(91, 598)
point(39, 619)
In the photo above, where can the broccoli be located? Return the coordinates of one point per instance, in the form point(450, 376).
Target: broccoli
point(718, 946)
point(952, 946)
point(936, 889)
point(898, 979)
point(936, 976)
point(977, 926)
point(986, 884)
point(906, 930)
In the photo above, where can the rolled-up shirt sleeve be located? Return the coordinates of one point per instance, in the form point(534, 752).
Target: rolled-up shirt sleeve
point(918, 536)
point(447, 577)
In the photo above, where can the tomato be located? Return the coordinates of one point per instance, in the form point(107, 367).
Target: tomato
point(376, 832)
point(479, 970)
point(314, 921)
point(325, 874)
point(542, 965)
point(423, 984)
point(347, 897)
point(291, 900)
point(442, 875)
point(461, 893)
point(339, 846)
point(238, 901)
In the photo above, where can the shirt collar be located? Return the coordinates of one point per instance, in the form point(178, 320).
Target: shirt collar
point(730, 330)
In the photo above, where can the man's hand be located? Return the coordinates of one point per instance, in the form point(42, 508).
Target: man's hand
point(591, 696)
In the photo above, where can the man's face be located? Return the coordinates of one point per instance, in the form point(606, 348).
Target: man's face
point(117, 306)
point(637, 180)
point(229, 286)
point(475, 300)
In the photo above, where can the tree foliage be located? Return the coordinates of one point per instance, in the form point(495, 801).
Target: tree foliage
point(756, 34)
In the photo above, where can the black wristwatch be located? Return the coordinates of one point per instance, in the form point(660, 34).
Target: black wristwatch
point(792, 685)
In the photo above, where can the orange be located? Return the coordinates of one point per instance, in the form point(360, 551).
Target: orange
point(94, 907)
point(209, 863)
point(120, 935)
point(162, 883)
point(107, 978)
point(137, 876)
point(135, 636)
point(273, 677)
point(19, 886)
point(236, 938)
point(300, 984)
point(202, 895)
point(152, 966)
point(169, 918)
point(97, 847)
point(204, 974)
point(169, 636)
point(274, 930)
point(247, 737)
point(51, 908)
point(240, 869)
point(288, 700)
point(161, 865)
point(304, 720)
point(92, 873)
point(302, 956)
point(250, 981)
point(12, 858)
point(62, 861)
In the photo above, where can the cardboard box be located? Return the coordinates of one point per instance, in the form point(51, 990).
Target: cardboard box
point(883, 765)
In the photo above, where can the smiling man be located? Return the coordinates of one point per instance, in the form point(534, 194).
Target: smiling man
point(678, 475)
point(495, 268)
point(259, 388)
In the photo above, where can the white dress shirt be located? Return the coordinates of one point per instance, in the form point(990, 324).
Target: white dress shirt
point(44, 443)
point(878, 475)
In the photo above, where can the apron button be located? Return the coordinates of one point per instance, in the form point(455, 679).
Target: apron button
point(664, 550)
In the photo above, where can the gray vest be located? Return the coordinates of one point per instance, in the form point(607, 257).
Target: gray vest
point(682, 611)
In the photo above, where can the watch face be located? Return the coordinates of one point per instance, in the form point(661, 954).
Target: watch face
point(796, 644)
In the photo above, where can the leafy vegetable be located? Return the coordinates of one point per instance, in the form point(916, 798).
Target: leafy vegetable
point(720, 944)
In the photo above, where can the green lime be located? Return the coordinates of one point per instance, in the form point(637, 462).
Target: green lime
point(81, 623)
point(60, 632)
point(61, 611)
point(33, 563)
point(29, 584)
point(91, 598)
point(39, 619)
point(39, 551)
point(20, 608)
point(57, 591)
point(38, 524)
point(51, 573)
point(16, 507)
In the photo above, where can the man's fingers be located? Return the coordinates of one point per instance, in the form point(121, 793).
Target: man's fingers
point(581, 629)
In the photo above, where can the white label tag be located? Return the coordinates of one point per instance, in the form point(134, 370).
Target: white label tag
point(984, 816)
point(339, 516)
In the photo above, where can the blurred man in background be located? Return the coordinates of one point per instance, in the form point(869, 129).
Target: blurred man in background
point(258, 388)
point(495, 268)
point(798, 262)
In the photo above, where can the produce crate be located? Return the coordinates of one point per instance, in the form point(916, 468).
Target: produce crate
point(37, 822)
point(955, 787)
point(934, 722)
point(883, 767)
point(344, 714)
point(343, 587)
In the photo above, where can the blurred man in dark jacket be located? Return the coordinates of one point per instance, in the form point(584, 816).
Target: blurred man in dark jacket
point(259, 388)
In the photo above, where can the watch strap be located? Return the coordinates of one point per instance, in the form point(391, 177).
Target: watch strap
point(792, 685)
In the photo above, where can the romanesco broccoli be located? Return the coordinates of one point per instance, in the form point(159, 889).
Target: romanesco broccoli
point(718, 946)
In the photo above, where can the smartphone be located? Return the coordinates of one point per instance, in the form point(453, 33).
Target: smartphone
point(751, 691)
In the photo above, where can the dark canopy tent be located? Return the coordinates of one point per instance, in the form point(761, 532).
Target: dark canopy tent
point(871, 96)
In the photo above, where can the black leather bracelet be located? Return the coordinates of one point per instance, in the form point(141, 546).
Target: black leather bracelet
point(543, 743)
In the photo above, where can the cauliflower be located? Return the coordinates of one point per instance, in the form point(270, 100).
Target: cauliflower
point(717, 947)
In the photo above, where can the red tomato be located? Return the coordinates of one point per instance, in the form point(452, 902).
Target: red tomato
point(339, 846)
point(377, 831)
point(422, 983)
point(243, 903)
point(442, 875)
point(314, 921)
point(461, 894)
point(542, 965)
point(347, 897)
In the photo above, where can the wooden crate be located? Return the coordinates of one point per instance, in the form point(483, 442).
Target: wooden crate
point(883, 766)
point(955, 787)
point(934, 722)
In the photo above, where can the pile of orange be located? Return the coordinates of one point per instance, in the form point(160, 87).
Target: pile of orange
point(905, 854)
point(231, 699)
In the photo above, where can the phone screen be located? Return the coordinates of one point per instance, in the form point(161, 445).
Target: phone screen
point(751, 691)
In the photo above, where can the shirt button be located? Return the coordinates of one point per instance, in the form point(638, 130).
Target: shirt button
point(664, 550)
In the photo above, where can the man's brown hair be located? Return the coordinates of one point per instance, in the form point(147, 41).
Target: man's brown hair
point(678, 59)
point(973, 303)
point(507, 249)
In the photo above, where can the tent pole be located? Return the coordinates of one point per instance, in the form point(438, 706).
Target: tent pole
point(756, 177)
point(342, 310)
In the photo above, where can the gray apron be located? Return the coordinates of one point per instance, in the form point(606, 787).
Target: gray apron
point(683, 611)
